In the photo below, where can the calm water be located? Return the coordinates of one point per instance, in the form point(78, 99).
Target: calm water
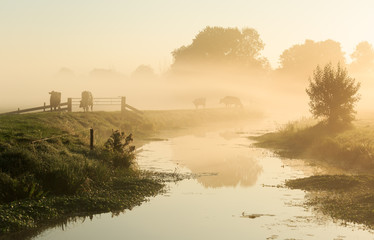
point(236, 181)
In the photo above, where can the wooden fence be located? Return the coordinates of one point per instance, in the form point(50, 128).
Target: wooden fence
point(76, 101)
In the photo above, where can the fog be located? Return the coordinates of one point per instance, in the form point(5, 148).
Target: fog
point(218, 62)
point(275, 96)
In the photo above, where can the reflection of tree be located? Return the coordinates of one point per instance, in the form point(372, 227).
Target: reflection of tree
point(239, 170)
point(230, 162)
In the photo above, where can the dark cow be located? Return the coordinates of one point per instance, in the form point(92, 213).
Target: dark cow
point(55, 100)
point(199, 102)
point(86, 101)
point(230, 101)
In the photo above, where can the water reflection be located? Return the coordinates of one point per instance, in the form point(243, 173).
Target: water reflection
point(220, 153)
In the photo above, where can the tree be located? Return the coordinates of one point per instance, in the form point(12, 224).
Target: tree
point(121, 153)
point(226, 46)
point(143, 72)
point(301, 59)
point(363, 57)
point(333, 94)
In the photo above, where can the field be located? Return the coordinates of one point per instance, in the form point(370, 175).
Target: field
point(48, 172)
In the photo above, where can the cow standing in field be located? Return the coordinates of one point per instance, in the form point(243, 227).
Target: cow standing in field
point(230, 101)
point(199, 102)
point(55, 100)
point(86, 101)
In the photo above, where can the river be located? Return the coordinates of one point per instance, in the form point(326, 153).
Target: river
point(237, 194)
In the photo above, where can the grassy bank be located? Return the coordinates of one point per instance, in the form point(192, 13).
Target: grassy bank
point(48, 172)
point(350, 148)
point(347, 197)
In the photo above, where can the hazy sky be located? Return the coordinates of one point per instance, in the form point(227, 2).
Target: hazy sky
point(41, 36)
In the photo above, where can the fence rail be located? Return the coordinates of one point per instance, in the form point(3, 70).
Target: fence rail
point(44, 108)
point(76, 101)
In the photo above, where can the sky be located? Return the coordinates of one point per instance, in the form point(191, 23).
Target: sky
point(38, 37)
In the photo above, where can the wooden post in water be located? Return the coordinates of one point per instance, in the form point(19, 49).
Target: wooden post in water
point(123, 105)
point(91, 138)
point(70, 105)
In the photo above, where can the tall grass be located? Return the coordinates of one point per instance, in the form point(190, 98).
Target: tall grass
point(348, 147)
point(62, 164)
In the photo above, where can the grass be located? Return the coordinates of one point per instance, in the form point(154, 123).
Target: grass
point(33, 213)
point(350, 148)
point(48, 172)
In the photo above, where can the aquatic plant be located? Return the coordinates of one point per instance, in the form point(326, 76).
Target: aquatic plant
point(346, 197)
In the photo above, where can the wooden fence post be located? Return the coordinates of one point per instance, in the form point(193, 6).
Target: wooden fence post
point(91, 138)
point(123, 105)
point(70, 105)
point(44, 107)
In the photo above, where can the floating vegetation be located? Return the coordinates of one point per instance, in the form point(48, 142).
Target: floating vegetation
point(346, 197)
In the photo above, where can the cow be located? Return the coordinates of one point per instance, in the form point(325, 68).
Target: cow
point(55, 100)
point(86, 101)
point(230, 101)
point(199, 102)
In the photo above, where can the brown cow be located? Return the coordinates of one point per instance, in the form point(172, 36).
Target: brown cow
point(199, 102)
point(230, 101)
point(55, 100)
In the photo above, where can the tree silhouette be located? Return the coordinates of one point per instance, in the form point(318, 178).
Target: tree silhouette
point(301, 59)
point(363, 57)
point(333, 94)
point(143, 72)
point(222, 46)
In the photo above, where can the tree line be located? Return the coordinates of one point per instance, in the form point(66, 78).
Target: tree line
point(241, 50)
point(332, 92)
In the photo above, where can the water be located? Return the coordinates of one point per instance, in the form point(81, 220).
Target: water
point(236, 196)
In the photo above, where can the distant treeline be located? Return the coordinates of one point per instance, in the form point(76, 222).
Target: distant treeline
point(218, 49)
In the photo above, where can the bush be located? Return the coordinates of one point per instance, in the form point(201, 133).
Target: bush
point(119, 150)
point(333, 95)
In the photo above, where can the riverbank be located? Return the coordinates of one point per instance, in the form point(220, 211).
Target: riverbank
point(48, 173)
point(347, 197)
point(350, 148)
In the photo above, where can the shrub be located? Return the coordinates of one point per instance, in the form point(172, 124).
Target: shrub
point(333, 95)
point(119, 150)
